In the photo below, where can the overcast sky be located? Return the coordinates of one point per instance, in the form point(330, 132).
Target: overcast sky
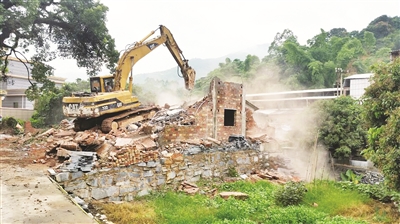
point(214, 28)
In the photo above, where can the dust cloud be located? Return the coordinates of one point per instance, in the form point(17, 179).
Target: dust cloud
point(167, 92)
point(295, 126)
point(295, 141)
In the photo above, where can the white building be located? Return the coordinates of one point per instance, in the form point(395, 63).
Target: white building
point(13, 100)
point(355, 85)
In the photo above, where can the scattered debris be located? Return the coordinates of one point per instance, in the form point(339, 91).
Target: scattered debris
point(188, 188)
point(370, 177)
point(236, 195)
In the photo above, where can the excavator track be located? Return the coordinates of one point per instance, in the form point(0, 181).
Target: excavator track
point(124, 119)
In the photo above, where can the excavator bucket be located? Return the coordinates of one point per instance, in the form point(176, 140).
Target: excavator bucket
point(189, 78)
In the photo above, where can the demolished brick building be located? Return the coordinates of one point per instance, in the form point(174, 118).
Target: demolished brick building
point(222, 113)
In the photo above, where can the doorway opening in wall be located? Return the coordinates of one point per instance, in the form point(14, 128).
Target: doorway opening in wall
point(229, 117)
point(15, 104)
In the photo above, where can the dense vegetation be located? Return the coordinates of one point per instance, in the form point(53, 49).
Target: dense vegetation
point(313, 65)
point(382, 115)
point(341, 129)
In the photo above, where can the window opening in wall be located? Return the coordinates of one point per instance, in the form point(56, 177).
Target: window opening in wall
point(15, 104)
point(229, 117)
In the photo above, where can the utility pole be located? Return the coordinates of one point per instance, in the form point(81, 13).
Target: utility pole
point(339, 74)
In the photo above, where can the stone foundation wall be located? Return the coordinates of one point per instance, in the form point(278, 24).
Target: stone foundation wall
point(126, 183)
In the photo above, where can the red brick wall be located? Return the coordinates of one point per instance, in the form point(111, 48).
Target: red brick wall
point(228, 96)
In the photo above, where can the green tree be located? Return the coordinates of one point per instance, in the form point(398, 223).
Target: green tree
point(341, 129)
point(66, 28)
point(369, 41)
point(350, 50)
point(48, 105)
point(382, 114)
point(82, 85)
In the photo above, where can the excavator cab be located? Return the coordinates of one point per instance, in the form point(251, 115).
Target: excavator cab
point(101, 84)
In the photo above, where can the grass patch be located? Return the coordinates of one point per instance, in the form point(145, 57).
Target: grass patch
point(181, 208)
point(332, 199)
point(336, 205)
point(139, 212)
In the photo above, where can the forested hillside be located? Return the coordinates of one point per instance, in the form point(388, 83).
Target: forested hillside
point(296, 66)
point(289, 65)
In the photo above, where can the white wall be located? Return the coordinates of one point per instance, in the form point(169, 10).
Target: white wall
point(357, 87)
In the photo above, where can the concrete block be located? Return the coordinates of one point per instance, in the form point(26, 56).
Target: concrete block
point(82, 193)
point(121, 176)
point(92, 182)
point(171, 175)
point(143, 192)
point(134, 175)
point(125, 190)
point(105, 181)
point(51, 172)
point(123, 183)
point(115, 198)
point(148, 173)
point(160, 181)
point(121, 142)
point(151, 164)
point(98, 193)
point(142, 164)
point(195, 178)
point(206, 174)
point(61, 177)
point(112, 191)
point(71, 186)
point(76, 175)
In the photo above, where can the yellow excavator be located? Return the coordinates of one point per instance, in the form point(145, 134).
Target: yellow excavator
point(109, 104)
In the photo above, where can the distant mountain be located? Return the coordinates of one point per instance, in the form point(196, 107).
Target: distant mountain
point(203, 66)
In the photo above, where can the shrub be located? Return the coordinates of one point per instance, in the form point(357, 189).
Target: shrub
point(349, 175)
point(291, 193)
point(10, 123)
point(378, 192)
point(232, 172)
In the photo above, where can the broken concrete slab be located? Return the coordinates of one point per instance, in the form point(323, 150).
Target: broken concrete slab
point(63, 133)
point(83, 161)
point(47, 133)
point(51, 172)
point(148, 143)
point(103, 150)
point(61, 152)
point(121, 142)
point(70, 145)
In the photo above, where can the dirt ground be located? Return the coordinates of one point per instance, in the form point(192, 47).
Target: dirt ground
point(27, 194)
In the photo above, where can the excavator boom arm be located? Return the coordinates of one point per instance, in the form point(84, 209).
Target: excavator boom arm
point(142, 48)
point(189, 74)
